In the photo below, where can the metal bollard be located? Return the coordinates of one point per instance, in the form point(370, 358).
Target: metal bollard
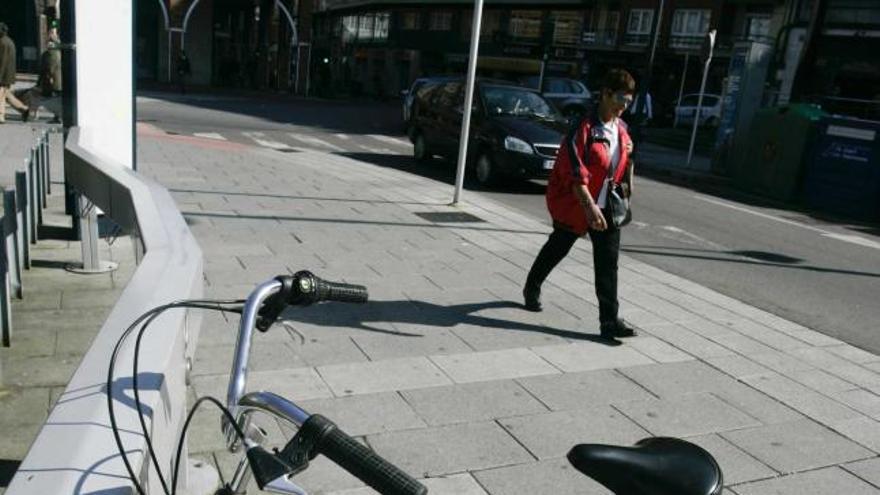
point(48, 165)
point(23, 218)
point(10, 242)
point(5, 313)
point(32, 198)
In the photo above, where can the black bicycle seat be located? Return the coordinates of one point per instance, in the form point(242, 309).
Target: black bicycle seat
point(654, 466)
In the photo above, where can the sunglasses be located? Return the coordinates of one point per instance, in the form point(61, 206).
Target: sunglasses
point(622, 98)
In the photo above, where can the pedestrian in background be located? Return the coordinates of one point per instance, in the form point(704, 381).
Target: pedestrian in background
point(596, 148)
point(47, 92)
point(7, 77)
point(183, 70)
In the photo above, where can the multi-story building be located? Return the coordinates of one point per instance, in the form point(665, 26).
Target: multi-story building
point(380, 46)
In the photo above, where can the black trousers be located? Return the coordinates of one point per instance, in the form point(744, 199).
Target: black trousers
point(606, 250)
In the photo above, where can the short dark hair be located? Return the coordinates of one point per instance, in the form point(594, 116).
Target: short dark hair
point(619, 80)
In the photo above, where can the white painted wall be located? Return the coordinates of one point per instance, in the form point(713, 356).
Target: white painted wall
point(104, 78)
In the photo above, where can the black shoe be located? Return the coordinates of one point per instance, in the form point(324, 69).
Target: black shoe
point(609, 339)
point(618, 329)
point(26, 115)
point(532, 299)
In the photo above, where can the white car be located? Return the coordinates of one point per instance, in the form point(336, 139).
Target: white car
point(710, 112)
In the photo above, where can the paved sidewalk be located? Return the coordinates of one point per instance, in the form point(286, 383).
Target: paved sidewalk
point(445, 374)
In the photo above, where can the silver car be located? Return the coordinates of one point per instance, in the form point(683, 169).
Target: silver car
point(710, 111)
point(570, 96)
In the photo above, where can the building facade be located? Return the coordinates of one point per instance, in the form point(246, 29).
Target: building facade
point(379, 47)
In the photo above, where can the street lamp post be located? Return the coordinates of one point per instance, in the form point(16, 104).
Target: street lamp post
point(468, 101)
point(708, 48)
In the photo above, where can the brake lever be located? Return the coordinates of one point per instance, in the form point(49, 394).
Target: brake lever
point(271, 473)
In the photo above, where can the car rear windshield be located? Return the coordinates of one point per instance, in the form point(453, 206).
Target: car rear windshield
point(501, 100)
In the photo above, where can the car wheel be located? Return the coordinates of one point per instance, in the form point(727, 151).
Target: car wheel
point(485, 171)
point(420, 149)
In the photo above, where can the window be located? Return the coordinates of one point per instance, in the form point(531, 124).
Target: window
point(757, 27)
point(380, 30)
point(440, 21)
point(567, 27)
point(525, 24)
point(409, 21)
point(608, 34)
point(688, 27)
point(449, 95)
point(349, 28)
point(491, 24)
point(638, 29)
point(365, 27)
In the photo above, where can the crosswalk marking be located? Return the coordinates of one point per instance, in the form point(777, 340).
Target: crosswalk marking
point(257, 137)
point(209, 135)
point(315, 141)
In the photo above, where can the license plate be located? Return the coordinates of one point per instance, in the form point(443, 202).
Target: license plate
point(548, 164)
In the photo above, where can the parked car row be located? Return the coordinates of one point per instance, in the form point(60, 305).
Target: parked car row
point(515, 129)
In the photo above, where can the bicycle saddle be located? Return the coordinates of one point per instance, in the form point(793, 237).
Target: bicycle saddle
point(654, 466)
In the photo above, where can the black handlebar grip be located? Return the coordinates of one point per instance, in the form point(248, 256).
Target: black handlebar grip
point(357, 459)
point(340, 292)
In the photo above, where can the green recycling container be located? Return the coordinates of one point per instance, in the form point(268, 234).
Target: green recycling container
point(771, 159)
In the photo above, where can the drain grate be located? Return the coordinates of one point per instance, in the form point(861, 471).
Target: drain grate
point(449, 217)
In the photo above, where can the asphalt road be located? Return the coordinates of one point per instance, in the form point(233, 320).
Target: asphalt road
point(822, 274)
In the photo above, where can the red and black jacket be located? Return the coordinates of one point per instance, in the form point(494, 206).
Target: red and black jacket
point(575, 164)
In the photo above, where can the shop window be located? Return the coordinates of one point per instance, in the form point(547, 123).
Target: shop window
point(380, 29)
point(440, 21)
point(567, 26)
point(365, 27)
point(525, 24)
point(410, 21)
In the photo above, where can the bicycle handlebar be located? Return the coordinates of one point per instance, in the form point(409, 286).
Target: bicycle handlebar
point(357, 459)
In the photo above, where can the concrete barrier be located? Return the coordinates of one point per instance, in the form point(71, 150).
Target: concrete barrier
point(74, 451)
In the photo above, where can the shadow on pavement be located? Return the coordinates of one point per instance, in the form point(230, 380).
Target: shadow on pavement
point(427, 314)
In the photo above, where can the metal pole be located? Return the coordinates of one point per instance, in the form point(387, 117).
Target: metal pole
point(169, 56)
point(711, 36)
point(309, 71)
point(684, 71)
point(468, 101)
point(298, 58)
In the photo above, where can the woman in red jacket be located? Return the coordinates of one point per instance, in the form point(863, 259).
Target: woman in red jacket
point(576, 199)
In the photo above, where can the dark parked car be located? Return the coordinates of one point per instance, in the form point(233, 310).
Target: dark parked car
point(570, 96)
point(514, 131)
point(409, 95)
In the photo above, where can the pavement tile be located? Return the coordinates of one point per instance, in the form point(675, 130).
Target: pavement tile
point(861, 400)
point(853, 354)
point(780, 362)
point(821, 482)
point(582, 389)
point(658, 350)
point(378, 347)
point(30, 342)
point(382, 376)
point(296, 384)
point(669, 380)
point(367, 414)
point(802, 399)
point(687, 415)
point(864, 431)
point(38, 371)
point(821, 381)
point(591, 356)
point(457, 484)
point(797, 446)
point(737, 465)
point(17, 440)
point(553, 434)
point(687, 341)
point(757, 404)
point(264, 356)
point(471, 402)
point(490, 338)
point(737, 366)
point(493, 365)
point(552, 476)
point(449, 449)
point(868, 470)
point(319, 347)
point(818, 357)
point(23, 406)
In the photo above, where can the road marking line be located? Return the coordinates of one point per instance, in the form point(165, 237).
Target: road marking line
point(851, 239)
point(854, 239)
point(209, 135)
point(275, 145)
point(390, 140)
point(315, 141)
